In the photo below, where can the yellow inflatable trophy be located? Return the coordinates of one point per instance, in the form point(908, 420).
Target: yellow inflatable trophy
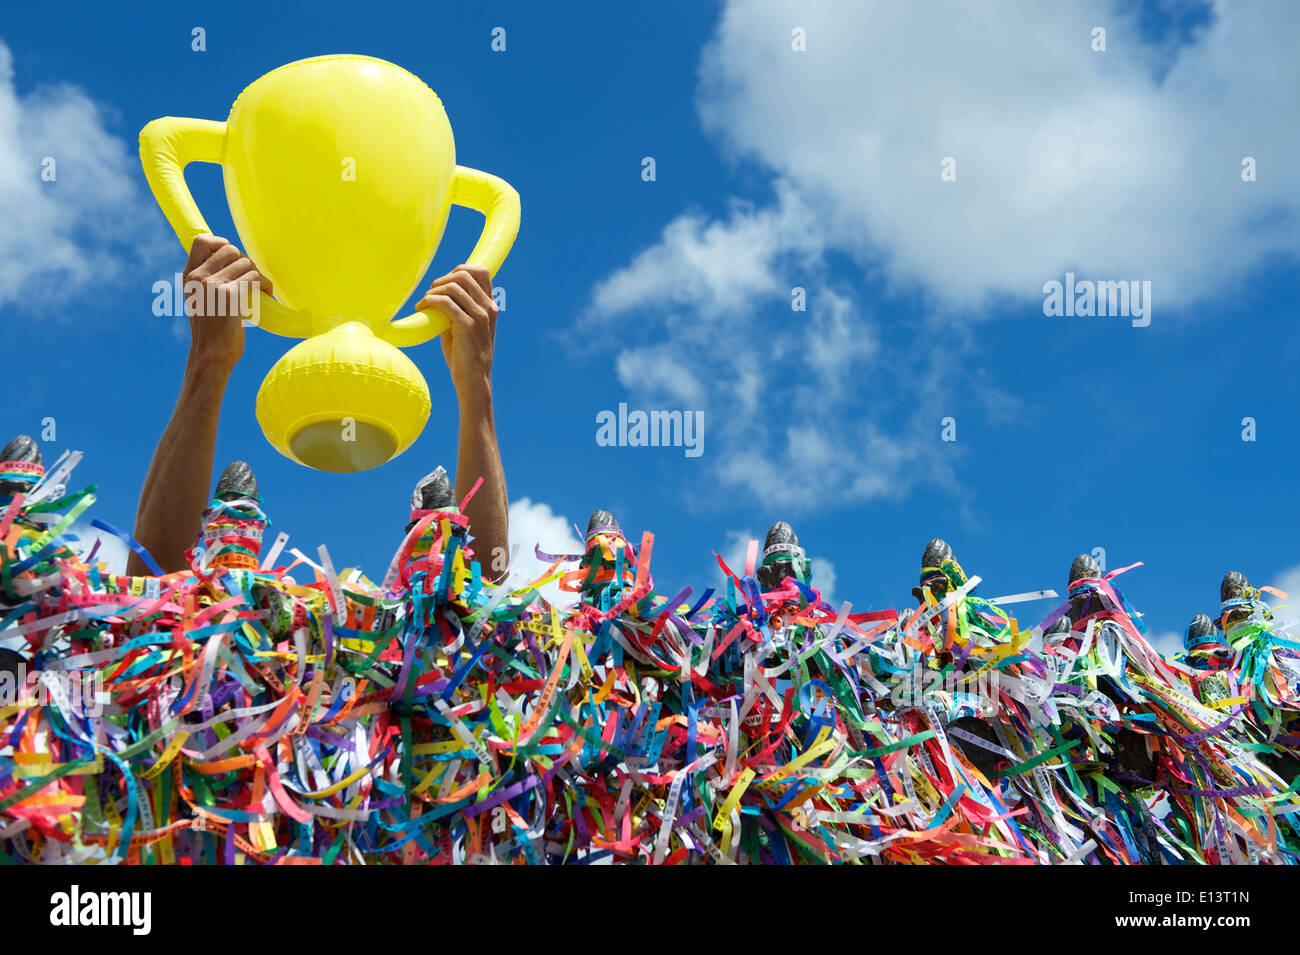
point(339, 172)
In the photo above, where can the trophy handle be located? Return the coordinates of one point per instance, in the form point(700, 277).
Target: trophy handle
point(167, 146)
point(499, 203)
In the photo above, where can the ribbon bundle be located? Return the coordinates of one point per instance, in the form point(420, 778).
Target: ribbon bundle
point(232, 714)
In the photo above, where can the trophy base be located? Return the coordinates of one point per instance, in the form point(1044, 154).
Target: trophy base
point(321, 446)
point(343, 401)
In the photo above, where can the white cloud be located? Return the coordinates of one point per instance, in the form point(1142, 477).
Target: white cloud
point(734, 550)
point(657, 370)
point(85, 228)
point(1117, 165)
point(779, 392)
point(824, 578)
point(1288, 581)
point(1167, 642)
point(532, 525)
point(112, 549)
point(715, 267)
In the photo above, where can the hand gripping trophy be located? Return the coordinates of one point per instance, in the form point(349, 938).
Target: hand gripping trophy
point(340, 172)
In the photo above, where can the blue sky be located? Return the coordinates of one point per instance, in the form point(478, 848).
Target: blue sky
point(775, 168)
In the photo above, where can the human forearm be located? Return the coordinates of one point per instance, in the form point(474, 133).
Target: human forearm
point(478, 456)
point(219, 281)
point(464, 296)
point(176, 489)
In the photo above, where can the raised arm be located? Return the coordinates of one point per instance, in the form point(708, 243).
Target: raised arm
point(177, 487)
point(465, 296)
